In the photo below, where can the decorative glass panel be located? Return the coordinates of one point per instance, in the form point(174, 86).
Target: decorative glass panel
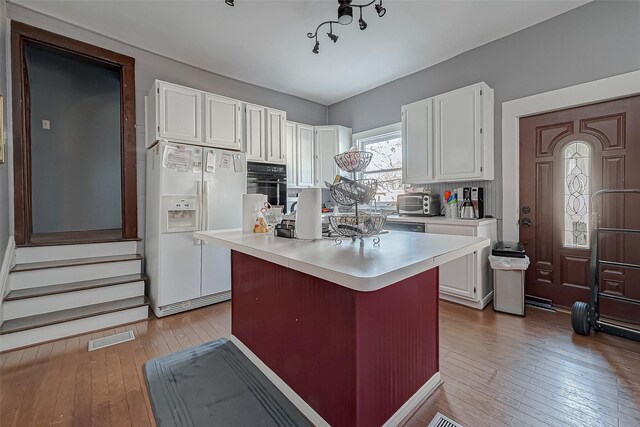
point(577, 171)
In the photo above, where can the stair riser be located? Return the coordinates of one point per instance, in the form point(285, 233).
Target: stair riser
point(56, 276)
point(46, 304)
point(74, 327)
point(62, 252)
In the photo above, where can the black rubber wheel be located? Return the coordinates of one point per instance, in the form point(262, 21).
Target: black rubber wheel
point(580, 318)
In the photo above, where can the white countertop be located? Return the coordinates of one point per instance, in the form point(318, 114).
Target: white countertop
point(399, 256)
point(440, 220)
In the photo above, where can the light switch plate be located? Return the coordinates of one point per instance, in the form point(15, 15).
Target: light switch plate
point(46, 124)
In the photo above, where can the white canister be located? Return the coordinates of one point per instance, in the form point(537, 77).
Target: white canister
point(251, 203)
point(309, 214)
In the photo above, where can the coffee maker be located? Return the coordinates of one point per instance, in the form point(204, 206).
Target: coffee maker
point(471, 202)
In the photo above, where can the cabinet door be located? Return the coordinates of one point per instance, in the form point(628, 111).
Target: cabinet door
point(222, 122)
point(255, 132)
point(326, 149)
point(458, 277)
point(290, 138)
point(305, 168)
point(458, 143)
point(180, 113)
point(417, 142)
point(276, 149)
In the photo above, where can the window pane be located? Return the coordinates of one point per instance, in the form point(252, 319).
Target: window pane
point(577, 169)
point(389, 184)
point(386, 154)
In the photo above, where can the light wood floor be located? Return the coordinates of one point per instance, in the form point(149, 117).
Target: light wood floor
point(498, 370)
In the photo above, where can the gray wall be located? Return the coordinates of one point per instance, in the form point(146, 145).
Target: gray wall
point(150, 66)
point(594, 41)
point(75, 165)
point(4, 168)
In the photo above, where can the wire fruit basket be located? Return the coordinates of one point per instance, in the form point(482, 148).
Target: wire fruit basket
point(351, 192)
point(347, 193)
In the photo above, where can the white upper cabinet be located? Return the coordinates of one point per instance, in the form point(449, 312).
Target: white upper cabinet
point(255, 132)
point(178, 113)
point(276, 143)
point(291, 144)
point(449, 138)
point(458, 138)
point(417, 142)
point(223, 122)
point(326, 149)
point(305, 168)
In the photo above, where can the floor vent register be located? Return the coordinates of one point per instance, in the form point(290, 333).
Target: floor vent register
point(441, 421)
point(111, 340)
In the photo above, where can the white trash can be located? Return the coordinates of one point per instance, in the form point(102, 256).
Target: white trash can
point(508, 281)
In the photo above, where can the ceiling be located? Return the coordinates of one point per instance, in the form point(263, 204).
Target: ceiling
point(264, 42)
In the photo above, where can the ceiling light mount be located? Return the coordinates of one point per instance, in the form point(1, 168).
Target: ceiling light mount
point(345, 17)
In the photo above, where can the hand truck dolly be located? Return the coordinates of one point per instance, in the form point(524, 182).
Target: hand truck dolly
point(586, 316)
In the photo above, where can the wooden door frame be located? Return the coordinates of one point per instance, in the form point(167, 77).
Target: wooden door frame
point(20, 35)
point(573, 96)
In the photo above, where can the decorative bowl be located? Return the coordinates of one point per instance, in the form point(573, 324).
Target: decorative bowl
point(364, 225)
point(353, 161)
point(349, 192)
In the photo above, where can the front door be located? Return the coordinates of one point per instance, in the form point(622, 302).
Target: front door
point(565, 156)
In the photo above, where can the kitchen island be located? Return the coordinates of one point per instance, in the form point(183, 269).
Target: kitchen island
point(348, 333)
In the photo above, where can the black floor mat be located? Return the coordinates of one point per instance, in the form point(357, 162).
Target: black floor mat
point(214, 384)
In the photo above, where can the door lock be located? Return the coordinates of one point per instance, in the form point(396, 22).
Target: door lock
point(526, 210)
point(526, 222)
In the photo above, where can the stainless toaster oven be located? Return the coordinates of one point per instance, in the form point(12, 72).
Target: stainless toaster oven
point(418, 204)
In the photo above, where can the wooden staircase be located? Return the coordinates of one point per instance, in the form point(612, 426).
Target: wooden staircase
point(59, 291)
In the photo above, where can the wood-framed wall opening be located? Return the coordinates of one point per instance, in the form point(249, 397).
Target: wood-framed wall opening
point(23, 35)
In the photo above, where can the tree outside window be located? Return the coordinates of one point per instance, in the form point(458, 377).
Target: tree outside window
point(386, 165)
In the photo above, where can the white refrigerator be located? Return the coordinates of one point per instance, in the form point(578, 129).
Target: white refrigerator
point(190, 188)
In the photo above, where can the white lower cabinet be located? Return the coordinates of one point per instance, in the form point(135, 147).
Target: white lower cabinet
point(467, 280)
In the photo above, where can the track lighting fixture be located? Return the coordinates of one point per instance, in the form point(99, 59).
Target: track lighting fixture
point(361, 23)
point(345, 17)
point(332, 36)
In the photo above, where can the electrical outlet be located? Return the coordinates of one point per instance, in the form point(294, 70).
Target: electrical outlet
point(46, 124)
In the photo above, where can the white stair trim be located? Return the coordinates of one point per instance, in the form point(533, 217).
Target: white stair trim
point(7, 264)
point(76, 273)
point(30, 254)
point(47, 303)
point(73, 327)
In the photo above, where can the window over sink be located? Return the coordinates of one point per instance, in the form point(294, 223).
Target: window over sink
point(386, 165)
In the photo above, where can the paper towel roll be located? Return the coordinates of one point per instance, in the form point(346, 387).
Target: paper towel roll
point(309, 214)
point(251, 202)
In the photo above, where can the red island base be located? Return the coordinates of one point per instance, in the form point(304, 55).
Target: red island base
point(356, 358)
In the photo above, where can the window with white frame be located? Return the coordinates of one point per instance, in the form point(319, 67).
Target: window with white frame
point(386, 164)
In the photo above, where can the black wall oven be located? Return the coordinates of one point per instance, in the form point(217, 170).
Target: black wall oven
point(269, 179)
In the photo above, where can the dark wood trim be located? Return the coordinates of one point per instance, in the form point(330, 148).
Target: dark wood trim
point(22, 33)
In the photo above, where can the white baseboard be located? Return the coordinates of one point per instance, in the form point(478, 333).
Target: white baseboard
point(407, 408)
point(478, 305)
point(414, 401)
point(306, 410)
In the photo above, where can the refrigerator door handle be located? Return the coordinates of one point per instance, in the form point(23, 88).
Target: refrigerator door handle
point(205, 203)
point(199, 210)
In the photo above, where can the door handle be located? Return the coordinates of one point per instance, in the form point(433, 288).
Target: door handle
point(526, 222)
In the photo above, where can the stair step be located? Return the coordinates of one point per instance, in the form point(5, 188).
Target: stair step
point(31, 266)
point(28, 254)
point(40, 320)
point(41, 291)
